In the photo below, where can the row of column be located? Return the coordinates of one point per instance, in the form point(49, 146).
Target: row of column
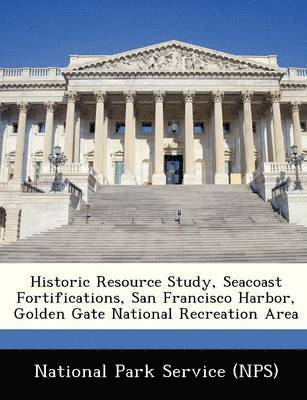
point(101, 134)
point(189, 173)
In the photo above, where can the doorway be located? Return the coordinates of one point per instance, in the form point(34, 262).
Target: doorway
point(118, 172)
point(173, 167)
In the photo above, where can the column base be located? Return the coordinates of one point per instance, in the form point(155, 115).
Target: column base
point(248, 177)
point(221, 178)
point(190, 179)
point(159, 179)
point(236, 178)
point(128, 179)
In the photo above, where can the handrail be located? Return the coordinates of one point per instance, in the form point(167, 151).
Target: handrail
point(27, 187)
point(73, 189)
point(282, 187)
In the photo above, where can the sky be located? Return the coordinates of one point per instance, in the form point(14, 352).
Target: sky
point(37, 33)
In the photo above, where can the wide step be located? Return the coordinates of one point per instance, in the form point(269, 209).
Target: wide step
point(219, 223)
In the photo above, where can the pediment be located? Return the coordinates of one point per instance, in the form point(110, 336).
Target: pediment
point(172, 58)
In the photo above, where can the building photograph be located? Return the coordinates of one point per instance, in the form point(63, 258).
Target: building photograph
point(167, 152)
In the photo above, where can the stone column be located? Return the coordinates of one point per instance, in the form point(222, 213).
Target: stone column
point(270, 134)
point(104, 145)
point(21, 134)
point(278, 133)
point(77, 137)
point(237, 168)
point(128, 178)
point(72, 97)
point(220, 177)
point(249, 155)
point(189, 159)
point(264, 140)
point(100, 142)
point(50, 106)
point(297, 138)
point(158, 178)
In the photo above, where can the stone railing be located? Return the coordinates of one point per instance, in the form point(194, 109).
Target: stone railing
point(277, 167)
point(67, 168)
point(3, 186)
point(270, 174)
point(30, 73)
point(75, 168)
point(296, 73)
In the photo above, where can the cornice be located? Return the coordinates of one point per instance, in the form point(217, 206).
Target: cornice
point(33, 85)
point(293, 84)
point(172, 74)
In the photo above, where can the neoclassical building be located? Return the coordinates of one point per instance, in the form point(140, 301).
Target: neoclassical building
point(169, 113)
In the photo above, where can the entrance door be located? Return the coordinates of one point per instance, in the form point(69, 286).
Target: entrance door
point(119, 170)
point(173, 166)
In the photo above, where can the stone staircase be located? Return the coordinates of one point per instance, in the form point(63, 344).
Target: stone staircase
point(219, 223)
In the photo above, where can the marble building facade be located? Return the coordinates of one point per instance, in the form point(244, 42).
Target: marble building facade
point(164, 114)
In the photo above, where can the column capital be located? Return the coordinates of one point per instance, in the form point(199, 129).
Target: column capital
point(23, 106)
point(159, 95)
point(275, 96)
point(217, 96)
point(101, 96)
point(247, 96)
point(129, 95)
point(295, 106)
point(72, 97)
point(188, 95)
point(50, 106)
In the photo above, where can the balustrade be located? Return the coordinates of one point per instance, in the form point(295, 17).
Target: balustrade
point(295, 73)
point(30, 73)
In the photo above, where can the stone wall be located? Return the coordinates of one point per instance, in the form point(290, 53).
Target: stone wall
point(28, 214)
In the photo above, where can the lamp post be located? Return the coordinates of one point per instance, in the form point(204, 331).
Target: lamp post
point(294, 159)
point(56, 160)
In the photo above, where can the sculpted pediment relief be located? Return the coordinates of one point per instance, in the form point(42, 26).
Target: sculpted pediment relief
point(172, 58)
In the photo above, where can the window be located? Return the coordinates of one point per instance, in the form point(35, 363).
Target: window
point(91, 127)
point(254, 127)
point(172, 128)
point(41, 127)
point(38, 169)
point(226, 126)
point(15, 127)
point(120, 128)
point(199, 128)
point(90, 165)
point(11, 170)
point(118, 172)
point(303, 126)
point(146, 128)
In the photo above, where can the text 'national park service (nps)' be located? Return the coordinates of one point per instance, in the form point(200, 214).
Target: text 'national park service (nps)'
point(151, 296)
